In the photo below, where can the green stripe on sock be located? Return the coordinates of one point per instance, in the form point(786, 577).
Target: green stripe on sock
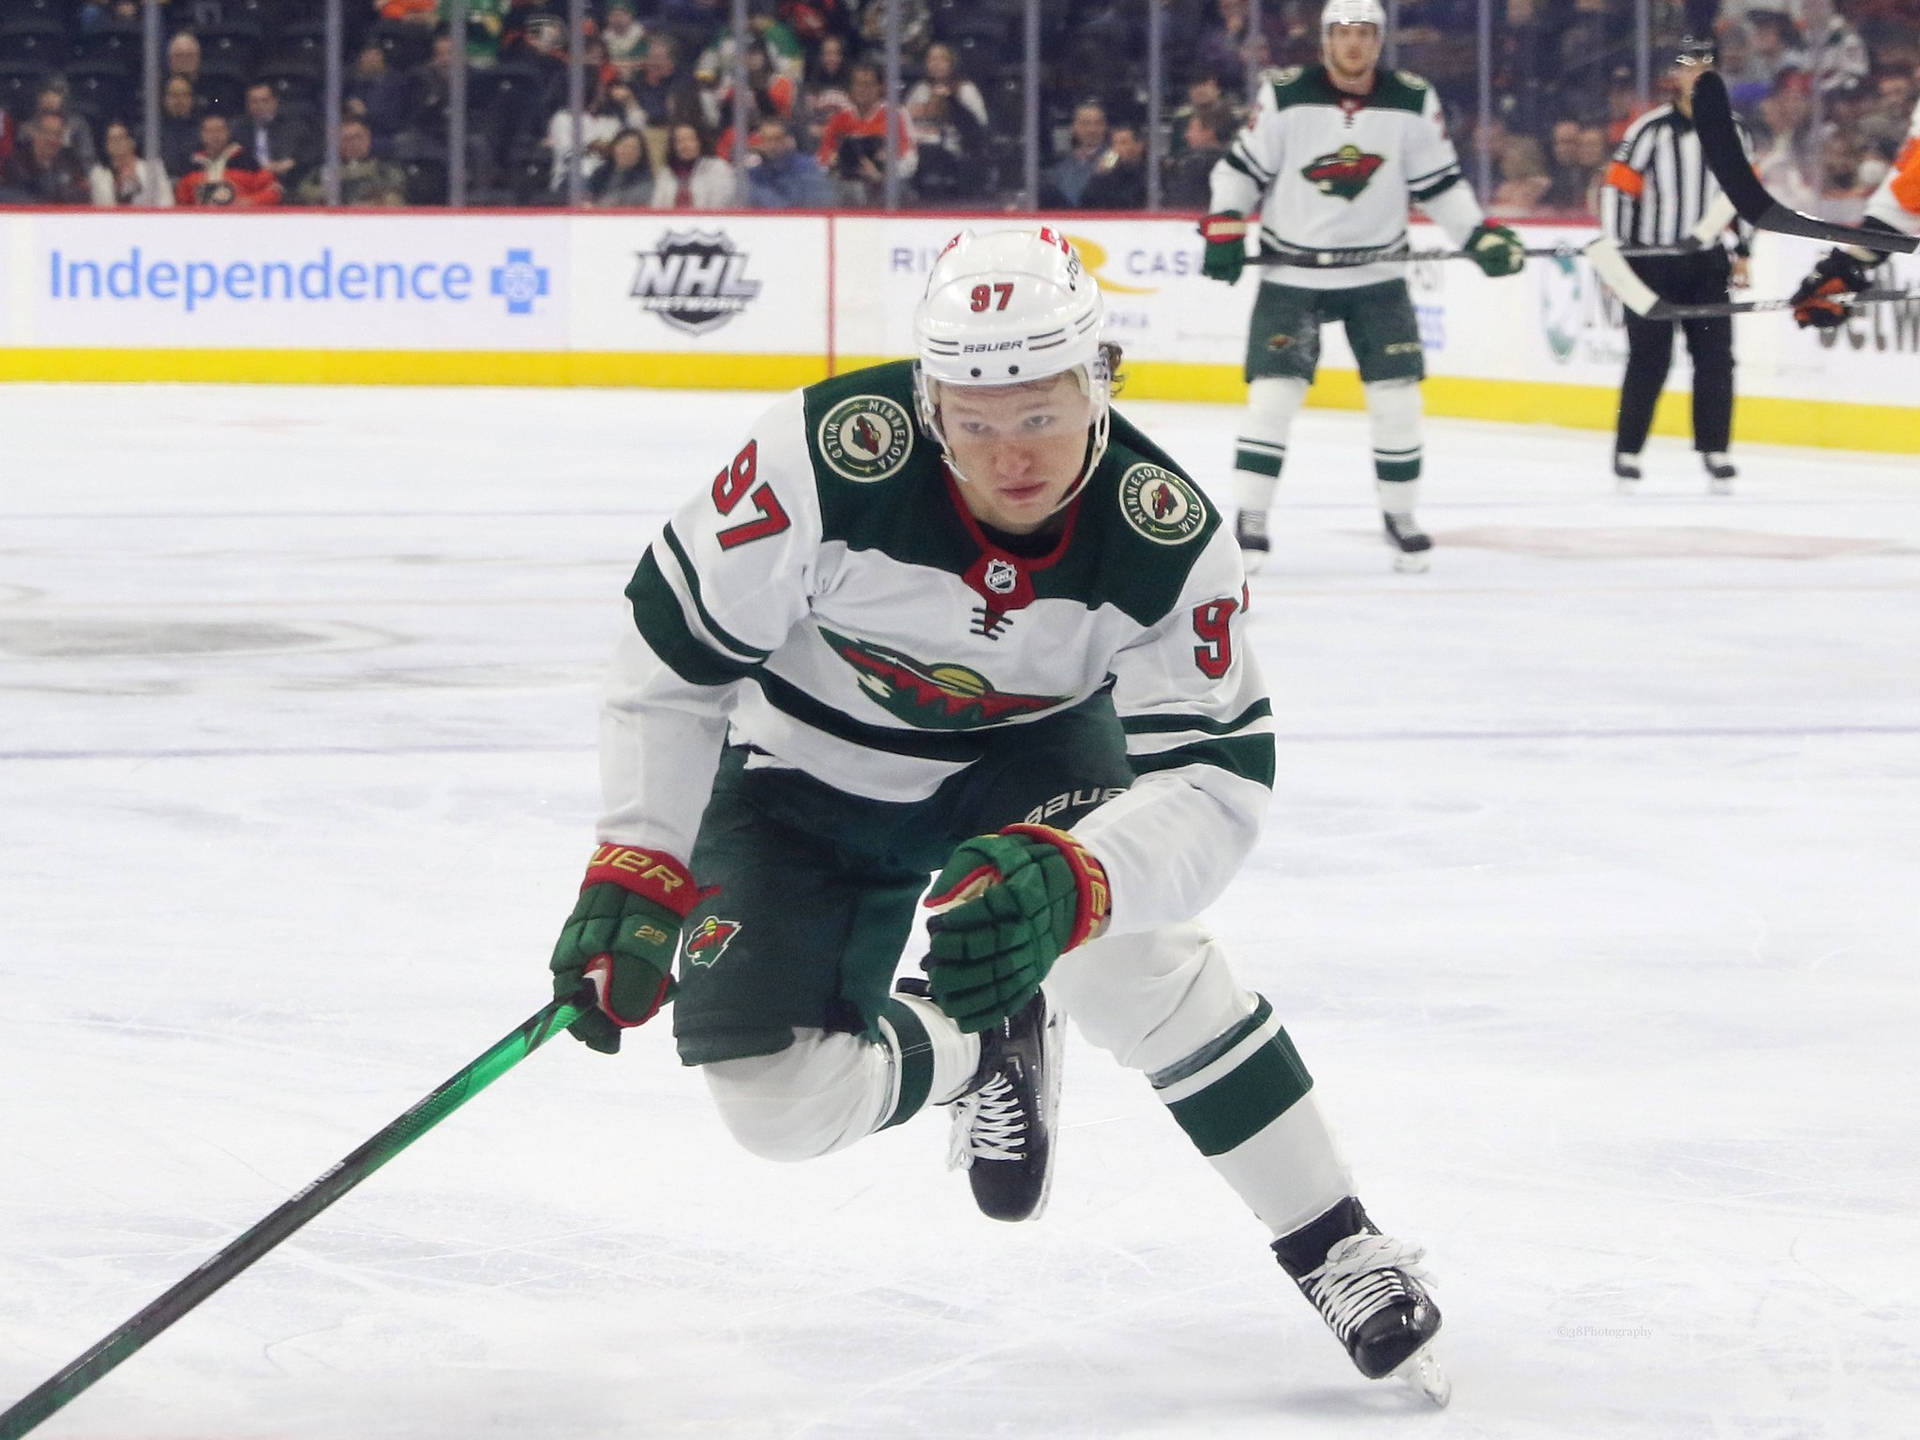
point(916, 1061)
point(1254, 462)
point(1243, 1102)
point(1401, 470)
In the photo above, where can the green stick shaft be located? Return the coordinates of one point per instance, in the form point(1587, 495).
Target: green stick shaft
point(76, 1377)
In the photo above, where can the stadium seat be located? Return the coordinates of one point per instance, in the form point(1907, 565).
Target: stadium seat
point(123, 44)
point(20, 88)
point(32, 40)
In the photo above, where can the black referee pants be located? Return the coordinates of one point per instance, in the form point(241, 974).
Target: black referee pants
point(1685, 280)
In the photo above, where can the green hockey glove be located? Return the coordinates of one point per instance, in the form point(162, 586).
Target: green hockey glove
point(622, 936)
point(1496, 250)
point(1226, 237)
point(1008, 906)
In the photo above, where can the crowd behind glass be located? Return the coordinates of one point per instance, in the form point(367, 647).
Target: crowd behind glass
point(1537, 93)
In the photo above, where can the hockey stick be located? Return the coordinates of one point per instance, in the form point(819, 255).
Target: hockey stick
point(214, 1272)
point(1343, 259)
point(1727, 158)
point(1610, 264)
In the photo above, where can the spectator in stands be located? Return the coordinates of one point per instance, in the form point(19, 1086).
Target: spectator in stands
point(826, 84)
point(1066, 179)
point(785, 177)
point(625, 40)
point(77, 132)
point(6, 135)
point(1524, 181)
point(851, 146)
point(1785, 147)
point(1593, 154)
point(278, 145)
point(429, 86)
point(223, 173)
point(381, 94)
point(410, 12)
point(815, 21)
point(692, 178)
point(611, 112)
point(1204, 92)
point(948, 118)
point(1623, 104)
point(486, 19)
point(123, 178)
point(43, 170)
point(768, 93)
point(1205, 136)
point(1838, 54)
point(1228, 44)
point(1119, 181)
point(1569, 179)
point(183, 57)
point(179, 125)
point(365, 179)
point(627, 179)
point(916, 27)
point(668, 95)
point(1885, 121)
point(1775, 47)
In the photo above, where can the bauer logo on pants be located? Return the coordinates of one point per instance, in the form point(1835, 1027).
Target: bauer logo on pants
point(708, 940)
point(1160, 505)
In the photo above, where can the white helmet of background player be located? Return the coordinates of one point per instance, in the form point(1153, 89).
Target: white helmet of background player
point(1005, 308)
point(1352, 12)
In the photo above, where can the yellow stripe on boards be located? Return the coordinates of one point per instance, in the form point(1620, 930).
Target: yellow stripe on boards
point(417, 367)
point(1757, 419)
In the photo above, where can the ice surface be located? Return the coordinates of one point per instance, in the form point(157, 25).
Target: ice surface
point(1588, 895)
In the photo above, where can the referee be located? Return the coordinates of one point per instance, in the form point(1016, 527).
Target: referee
point(1655, 192)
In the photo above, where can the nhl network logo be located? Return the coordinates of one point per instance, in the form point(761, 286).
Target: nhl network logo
point(695, 281)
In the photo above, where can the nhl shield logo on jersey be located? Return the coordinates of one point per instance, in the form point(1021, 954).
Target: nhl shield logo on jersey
point(1001, 577)
point(1160, 505)
point(1344, 172)
point(866, 438)
point(708, 940)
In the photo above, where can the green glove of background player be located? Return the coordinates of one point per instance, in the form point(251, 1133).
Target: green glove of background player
point(622, 936)
point(1496, 250)
point(1008, 906)
point(1226, 237)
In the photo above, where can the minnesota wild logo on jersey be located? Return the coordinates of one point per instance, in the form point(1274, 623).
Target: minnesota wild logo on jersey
point(932, 696)
point(1344, 172)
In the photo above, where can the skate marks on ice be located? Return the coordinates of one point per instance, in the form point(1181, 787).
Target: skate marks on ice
point(1584, 895)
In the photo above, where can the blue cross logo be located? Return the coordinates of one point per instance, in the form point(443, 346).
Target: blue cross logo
point(520, 281)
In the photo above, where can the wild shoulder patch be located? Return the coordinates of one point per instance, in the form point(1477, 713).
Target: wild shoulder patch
point(1160, 505)
point(866, 438)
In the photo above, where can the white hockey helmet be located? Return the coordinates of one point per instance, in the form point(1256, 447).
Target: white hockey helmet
point(1352, 12)
point(1006, 308)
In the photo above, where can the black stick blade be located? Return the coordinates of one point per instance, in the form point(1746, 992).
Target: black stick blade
point(1727, 158)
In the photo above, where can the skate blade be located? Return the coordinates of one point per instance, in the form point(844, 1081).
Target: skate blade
point(1411, 564)
point(1422, 1371)
point(1627, 487)
point(1720, 487)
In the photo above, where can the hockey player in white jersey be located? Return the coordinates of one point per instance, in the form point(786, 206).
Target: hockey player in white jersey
point(1330, 160)
point(1894, 207)
point(957, 615)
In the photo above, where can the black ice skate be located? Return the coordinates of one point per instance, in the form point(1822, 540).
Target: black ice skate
point(1626, 470)
point(1407, 540)
point(1250, 533)
point(1367, 1288)
point(1720, 472)
point(1003, 1124)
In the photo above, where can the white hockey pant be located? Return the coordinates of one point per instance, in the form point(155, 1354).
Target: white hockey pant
point(1163, 1002)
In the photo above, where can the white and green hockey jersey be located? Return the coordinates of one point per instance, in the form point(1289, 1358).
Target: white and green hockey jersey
point(1331, 171)
point(830, 600)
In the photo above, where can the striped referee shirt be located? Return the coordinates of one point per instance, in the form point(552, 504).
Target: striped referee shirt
point(1659, 184)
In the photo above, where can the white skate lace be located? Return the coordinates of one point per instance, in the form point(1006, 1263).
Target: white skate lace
point(1360, 1275)
point(987, 1125)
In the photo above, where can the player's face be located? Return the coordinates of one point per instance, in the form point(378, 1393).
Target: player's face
point(1352, 49)
point(1019, 446)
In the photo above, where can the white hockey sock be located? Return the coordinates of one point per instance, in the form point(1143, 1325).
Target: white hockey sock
point(1244, 1101)
point(935, 1058)
point(1393, 408)
point(1261, 448)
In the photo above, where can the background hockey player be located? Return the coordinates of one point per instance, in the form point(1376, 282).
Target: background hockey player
point(958, 616)
point(1657, 189)
point(1894, 206)
point(1330, 160)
